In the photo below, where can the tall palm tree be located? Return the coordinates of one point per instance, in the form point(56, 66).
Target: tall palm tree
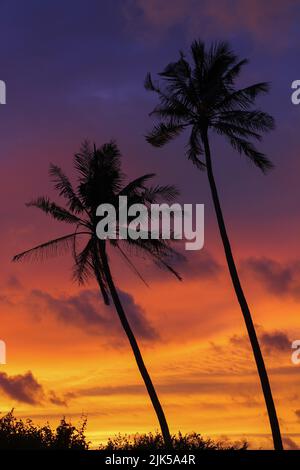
point(200, 95)
point(100, 180)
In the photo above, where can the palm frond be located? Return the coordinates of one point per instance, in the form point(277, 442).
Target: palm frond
point(83, 267)
point(223, 128)
point(243, 98)
point(255, 120)
point(163, 133)
point(218, 60)
point(131, 265)
point(137, 185)
point(149, 85)
point(51, 208)
point(82, 160)
point(100, 275)
point(157, 250)
point(51, 248)
point(158, 193)
point(65, 189)
point(234, 71)
point(195, 149)
point(248, 149)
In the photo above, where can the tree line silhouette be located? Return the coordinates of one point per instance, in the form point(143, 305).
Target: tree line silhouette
point(19, 434)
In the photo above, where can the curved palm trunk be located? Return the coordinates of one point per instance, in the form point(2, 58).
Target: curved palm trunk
point(243, 303)
point(136, 351)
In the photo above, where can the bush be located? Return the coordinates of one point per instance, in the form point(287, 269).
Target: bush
point(18, 434)
point(154, 442)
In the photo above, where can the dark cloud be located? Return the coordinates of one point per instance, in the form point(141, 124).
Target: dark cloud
point(23, 388)
point(278, 279)
point(277, 341)
point(137, 317)
point(87, 311)
point(275, 277)
point(270, 342)
point(200, 264)
point(189, 265)
point(55, 400)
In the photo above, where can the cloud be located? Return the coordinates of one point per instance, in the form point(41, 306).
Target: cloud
point(278, 279)
point(86, 310)
point(277, 341)
point(55, 400)
point(260, 19)
point(273, 341)
point(201, 265)
point(297, 413)
point(172, 387)
point(25, 388)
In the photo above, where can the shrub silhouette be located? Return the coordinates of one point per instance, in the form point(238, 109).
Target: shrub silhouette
point(16, 433)
point(154, 442)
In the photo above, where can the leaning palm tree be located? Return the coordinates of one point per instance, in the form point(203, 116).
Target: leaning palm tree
point(200, 95)
point(100, 180)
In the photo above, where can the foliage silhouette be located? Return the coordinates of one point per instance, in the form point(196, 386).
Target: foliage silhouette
point(18, 434)
point(154, 442)
point(200, 95)
point(100, 180)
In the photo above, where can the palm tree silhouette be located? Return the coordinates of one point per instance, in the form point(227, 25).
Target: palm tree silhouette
point(200, 95)
point(100, 180)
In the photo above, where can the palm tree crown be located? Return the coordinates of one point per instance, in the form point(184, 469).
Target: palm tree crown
point(202, 95)
point(100, 180)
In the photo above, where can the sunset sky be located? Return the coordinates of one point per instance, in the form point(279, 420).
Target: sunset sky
point(75, 70)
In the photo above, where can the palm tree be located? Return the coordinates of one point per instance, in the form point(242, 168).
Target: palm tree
point(201, 95)
point(100, 180)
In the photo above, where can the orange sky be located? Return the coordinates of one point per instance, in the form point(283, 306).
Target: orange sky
point(199, 357)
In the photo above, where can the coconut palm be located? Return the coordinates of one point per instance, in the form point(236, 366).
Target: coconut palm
point(100, 180)
point(198, 94)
